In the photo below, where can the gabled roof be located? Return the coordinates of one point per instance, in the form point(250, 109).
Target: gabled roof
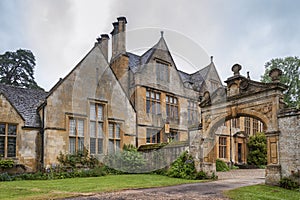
point(137, 62)
point(194, 80)
point(25, 102)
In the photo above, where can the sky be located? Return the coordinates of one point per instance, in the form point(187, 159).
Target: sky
point(61, 32)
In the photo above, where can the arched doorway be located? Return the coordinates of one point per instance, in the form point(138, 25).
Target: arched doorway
point(232, 139)
point(242, 97)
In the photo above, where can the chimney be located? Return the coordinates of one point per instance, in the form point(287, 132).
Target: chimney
point(119, 36)
point(104, 45)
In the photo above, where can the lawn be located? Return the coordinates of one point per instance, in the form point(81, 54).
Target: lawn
point(82, 186)
point(262, 192)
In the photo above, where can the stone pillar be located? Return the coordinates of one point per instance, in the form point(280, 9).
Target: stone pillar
point(273, 170)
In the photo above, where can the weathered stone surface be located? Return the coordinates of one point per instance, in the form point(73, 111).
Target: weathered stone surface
point(289, 142)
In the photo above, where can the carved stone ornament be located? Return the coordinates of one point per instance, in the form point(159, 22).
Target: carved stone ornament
point(206, 95)
point(275, 74)
point(236, 68)
point(244, 84)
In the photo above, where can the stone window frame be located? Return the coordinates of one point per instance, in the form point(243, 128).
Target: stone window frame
point(172, 108)
point(255, 126)
point(162, 69)
point(235, 122)
point(153, 136)
point(153, 102)
point(97, 138)
point(79, 139)
point(192, 112)
point(222, 147)
point(247, 125)
point(6, 150)
point(173, 135)
point(115, 136)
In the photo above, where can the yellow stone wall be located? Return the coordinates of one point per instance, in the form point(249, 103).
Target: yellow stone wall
point(26, 141)
point(90, 81)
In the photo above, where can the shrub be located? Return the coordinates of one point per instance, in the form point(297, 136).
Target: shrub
point(257, 150)
point(127, 161)
point(5, 177)
point(221, 166)
point(183, 167)
point(80, 159)
point(201, 175)
point(5, 164)
point(288, 183)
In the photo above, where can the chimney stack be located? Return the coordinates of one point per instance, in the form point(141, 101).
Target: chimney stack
point(119, 36)
point(103, 43)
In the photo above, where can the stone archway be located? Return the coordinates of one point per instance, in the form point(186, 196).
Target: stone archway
point(241, 97)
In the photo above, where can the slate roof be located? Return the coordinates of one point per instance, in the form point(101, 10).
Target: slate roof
point(134, 62)
point(25, 101)
point(194, 80)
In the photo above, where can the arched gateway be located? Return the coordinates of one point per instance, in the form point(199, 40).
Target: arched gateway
point(262, 101)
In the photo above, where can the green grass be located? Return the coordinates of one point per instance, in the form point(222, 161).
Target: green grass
point(262, 192)
point(82, 186)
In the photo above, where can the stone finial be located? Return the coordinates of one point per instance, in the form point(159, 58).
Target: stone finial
point(275, 74)
point(248, 75)
point(236, 68)
point(162, 33)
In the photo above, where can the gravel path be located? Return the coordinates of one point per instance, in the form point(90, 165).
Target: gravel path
point(208, 190)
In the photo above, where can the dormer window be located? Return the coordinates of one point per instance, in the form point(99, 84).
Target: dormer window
point(162, 71)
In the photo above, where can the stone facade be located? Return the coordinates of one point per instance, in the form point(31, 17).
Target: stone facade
point(289, 143)
point(144, 99)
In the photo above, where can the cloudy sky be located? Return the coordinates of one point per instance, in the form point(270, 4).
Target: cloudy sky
point(61, 32)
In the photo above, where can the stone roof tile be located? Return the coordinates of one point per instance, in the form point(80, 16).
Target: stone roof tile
point(26, 101)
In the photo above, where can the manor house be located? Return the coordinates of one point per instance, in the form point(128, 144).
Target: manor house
point(104, 103)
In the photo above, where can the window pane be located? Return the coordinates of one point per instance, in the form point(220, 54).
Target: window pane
point(2, 140)
point(111, 146)
point(11, 147)
point(80, 144)
point(158, 137)
point(147, 94)
point(93, 145)
point(148, 106)
point(12, 129)
point(118, 135)
point(157, 96)
point(153, 107)
point(2, 129)
point(80, 127)
point(118, 145)
point(148, 136)
point(167, 98)
point(175, 100)
point(72, 142)
point(158, 108)
point(153, 140)
point(92, 111)
point(93, 129)
point(100, 146)
point(111, 131)
point(72, 126)
point(100, 130)
point(100, 112)
point(152, 95)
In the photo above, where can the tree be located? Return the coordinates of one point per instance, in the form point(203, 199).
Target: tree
point(17, 68)
point(290, 77)
point(257, 146)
